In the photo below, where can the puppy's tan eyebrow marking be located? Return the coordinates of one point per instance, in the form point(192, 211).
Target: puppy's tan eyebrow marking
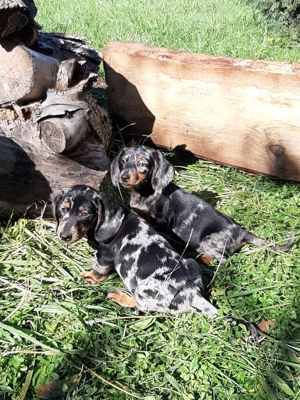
point(81, 208)
point(66, 204)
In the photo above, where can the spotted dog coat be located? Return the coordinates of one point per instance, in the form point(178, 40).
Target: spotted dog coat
point(147, 174)
point(158, 278)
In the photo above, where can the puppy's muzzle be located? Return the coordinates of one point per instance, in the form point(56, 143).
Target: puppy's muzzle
point(125, 176)
point(65, 237)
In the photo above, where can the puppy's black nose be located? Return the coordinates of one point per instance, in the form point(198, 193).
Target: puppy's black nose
point(125, 176)
point(65, 237)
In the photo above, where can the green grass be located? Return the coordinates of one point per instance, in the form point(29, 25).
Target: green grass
point(220, 27)
point(54, 327)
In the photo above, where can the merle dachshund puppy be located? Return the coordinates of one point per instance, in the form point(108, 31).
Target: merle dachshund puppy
point(158, 278)
point(147, 174)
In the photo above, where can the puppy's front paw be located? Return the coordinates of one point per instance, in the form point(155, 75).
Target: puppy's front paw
point(91, 277)
point(121, 298)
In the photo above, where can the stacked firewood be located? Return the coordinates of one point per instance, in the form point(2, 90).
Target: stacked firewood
point(53, 133)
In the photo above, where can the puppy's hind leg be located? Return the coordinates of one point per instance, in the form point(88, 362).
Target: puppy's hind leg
point(203, 306)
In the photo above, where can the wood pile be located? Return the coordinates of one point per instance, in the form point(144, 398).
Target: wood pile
point(53, 133)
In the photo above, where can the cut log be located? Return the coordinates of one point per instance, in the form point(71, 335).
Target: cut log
point(62, 134)
point(15, 14)
point(236, 112)
point(25, 74)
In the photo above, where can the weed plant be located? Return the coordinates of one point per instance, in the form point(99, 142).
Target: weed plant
point(53, 327)
point(284, 16)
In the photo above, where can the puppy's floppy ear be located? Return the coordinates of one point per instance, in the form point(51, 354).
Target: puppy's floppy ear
point(56, 202)
point(110, 217)
point(162, 173)
point(115, 169)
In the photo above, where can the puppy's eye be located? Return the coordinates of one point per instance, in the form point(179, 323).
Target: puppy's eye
point(123, 161)
point(142, 164)
point(84, 214)
point(63, 210)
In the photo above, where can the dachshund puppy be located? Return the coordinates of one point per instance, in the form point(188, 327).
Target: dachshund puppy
point(147, 174)
point(158, 278)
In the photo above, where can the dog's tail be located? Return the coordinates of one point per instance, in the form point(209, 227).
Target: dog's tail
point(206, 308)
point(253, 239)
point(252, 328)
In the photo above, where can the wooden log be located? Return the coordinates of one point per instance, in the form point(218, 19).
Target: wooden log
point(26, 75)
point(62, 134)
point(15, 15)
point(237, 112)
